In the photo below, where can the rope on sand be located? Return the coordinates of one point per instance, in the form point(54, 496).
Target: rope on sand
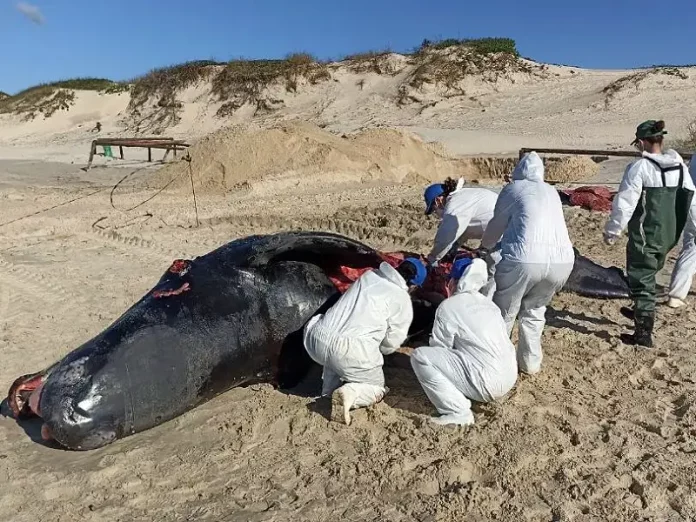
point(54, 206)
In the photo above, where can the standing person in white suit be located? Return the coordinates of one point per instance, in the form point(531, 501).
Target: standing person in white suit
point(537, 255)
point(684, 270)
point(464, 214)
point(370, 320)
point(470, 356)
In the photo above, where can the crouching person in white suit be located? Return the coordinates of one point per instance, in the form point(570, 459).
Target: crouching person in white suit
point(470, 356)
point(370, 320)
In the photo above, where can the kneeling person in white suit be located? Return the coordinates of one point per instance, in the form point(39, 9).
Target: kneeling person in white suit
point(470, 356)
point(371, 319)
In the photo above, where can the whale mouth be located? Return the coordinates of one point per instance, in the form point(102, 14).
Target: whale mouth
point(24, 399)
point(25, 394)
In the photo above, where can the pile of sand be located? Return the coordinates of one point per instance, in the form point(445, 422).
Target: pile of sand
point(557, 169)
point(570, 168)
point(293, 152)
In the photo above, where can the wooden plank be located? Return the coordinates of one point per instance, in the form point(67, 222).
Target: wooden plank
point(179, 146)
point(99, 140)
point(589, 152)
point(160, 144)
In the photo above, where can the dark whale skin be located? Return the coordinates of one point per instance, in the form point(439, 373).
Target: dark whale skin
point(233, 316)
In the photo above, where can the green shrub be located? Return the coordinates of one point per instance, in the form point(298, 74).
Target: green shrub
point(478, 45)
point(243, 81)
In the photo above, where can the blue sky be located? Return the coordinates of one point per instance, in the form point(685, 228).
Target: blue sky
point(45, 40)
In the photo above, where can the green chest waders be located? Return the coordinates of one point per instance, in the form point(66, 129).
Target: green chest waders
point(653, 231)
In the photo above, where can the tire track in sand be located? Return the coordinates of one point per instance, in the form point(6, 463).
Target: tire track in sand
point(37, 284)
point(133, 244)
point(14, 302)
point(353, 228)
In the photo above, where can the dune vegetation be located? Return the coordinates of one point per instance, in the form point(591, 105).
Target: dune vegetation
point(47, 98)
point(241, 82)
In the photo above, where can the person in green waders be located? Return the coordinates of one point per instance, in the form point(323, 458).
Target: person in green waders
point(654, 202)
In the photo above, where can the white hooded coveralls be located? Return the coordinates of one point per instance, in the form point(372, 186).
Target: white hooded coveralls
point(465, 216)
point(371, 319)
point(537, 255)
point(683, 274)
point(643, 173)
point(470, 355)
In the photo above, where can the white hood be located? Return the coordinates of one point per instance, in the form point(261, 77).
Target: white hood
point(668, 158)
point(530, 168)
point(474, 277)
point(389, 273)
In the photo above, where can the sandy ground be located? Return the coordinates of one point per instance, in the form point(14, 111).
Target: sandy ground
point(602, 434)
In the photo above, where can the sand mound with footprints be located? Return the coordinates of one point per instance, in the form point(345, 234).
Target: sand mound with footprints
point(295, 153)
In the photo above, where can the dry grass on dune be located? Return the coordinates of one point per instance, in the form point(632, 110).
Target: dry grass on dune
point(46, 99)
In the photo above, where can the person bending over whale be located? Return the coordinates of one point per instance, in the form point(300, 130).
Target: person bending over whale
point(470, 356)
point(370, 320)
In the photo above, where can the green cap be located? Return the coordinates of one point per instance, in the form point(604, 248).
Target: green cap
point(649, 129)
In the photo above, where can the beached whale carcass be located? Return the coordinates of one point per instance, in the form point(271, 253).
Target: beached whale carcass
point(233, 316)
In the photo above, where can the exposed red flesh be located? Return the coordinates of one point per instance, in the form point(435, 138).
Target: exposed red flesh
point(180, 266)
point(591, 198)
point(20, 395)
point(436, 282)
point(166, 293)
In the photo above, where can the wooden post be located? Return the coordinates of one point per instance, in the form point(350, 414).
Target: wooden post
point(166, 153)
point(120, 149)
point(149, 154)
point(92, 152)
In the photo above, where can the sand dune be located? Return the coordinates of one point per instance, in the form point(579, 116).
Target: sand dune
point(604, 433)
point(478, 112)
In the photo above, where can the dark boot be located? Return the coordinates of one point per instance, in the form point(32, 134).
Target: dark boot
point(627, 312)
point(644, 328)
point(642, 336)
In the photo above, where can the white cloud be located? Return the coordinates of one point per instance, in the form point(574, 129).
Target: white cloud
point(32, 12)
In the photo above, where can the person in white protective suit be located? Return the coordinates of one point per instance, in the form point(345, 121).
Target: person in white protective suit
point(470, 356)
point(684, 270)
point(654, 204)
point(537, 255)
point(370, 320)
point(464, 213)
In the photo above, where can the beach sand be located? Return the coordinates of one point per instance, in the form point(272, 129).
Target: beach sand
point(603, 433)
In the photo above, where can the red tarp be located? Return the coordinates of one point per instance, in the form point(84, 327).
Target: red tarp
point(591, 198)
